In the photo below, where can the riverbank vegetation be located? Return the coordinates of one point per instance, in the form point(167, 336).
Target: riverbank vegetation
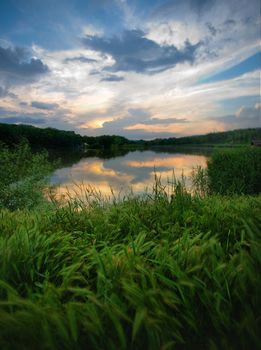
point(235, 171)
point(167, 270)
point(22, 176)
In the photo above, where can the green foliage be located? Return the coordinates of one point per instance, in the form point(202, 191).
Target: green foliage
point(51, 138)
point(200, 181)
point(105, 141)
point(39, 138)
point(233, 137)
point(22, 176)
point(154, 272)
point(235, 171)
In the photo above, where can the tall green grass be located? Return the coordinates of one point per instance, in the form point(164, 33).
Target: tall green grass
point(154, 272)
point(235, 171)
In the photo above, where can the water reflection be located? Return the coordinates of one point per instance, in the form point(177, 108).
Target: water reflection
point(133, 171)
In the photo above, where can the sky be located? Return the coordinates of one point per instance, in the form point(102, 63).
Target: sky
point(136, 68)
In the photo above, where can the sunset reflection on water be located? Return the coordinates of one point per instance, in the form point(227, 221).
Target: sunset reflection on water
point(134, 172)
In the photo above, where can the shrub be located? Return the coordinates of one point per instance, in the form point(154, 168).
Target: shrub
point(22, 176)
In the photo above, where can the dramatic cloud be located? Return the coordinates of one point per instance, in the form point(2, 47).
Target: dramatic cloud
point(132, 51)
point(16, 64)
point(123, 126)
point(141, 69)
point(80, 59)
point(112, 78)
point(43, 105)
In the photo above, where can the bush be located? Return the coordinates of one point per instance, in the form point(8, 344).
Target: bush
point(22, 176)
point(235, 171)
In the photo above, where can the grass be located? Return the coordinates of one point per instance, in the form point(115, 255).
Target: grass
point(149, 272)
point(167, 270)
point(235, 171)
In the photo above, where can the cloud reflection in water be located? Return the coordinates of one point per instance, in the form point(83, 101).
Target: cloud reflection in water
point(135, 171)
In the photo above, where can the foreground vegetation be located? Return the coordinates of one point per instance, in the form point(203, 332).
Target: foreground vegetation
point(146, 273)
point(161, 271)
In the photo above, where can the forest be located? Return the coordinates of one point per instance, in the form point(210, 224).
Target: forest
point(51, 138)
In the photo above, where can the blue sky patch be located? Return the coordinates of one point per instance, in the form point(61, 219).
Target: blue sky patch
point(252, 63)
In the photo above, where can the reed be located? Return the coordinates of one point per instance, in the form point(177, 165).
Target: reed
point(235, 171)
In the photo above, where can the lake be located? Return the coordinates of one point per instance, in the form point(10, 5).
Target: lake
point(125, 171)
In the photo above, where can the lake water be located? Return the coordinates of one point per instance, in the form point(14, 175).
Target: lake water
point(131, 171)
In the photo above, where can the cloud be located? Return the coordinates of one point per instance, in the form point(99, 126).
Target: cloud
point(4, 92)
point(22, 120)
point(126, 125)
point(112, 78)
point(23, 104)
point(171, 8)
point(226, 34)
point(44, 105)
point(12, 117)
point(245, 117)
point(132, 51)
point(249, 112)
point(200, 5)
point(81, 59)
point(174, 9)
point(17, 65)
point(133, 117)
point(230, 22)
point(158, 46)
point(58, 119)
point(156, 121)
point(211, 28)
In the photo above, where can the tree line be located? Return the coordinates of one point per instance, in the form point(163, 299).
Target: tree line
point(241, 136)
point(50, 138)
point(12, 134)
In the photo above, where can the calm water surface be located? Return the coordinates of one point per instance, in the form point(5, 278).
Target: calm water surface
point(133, 171)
